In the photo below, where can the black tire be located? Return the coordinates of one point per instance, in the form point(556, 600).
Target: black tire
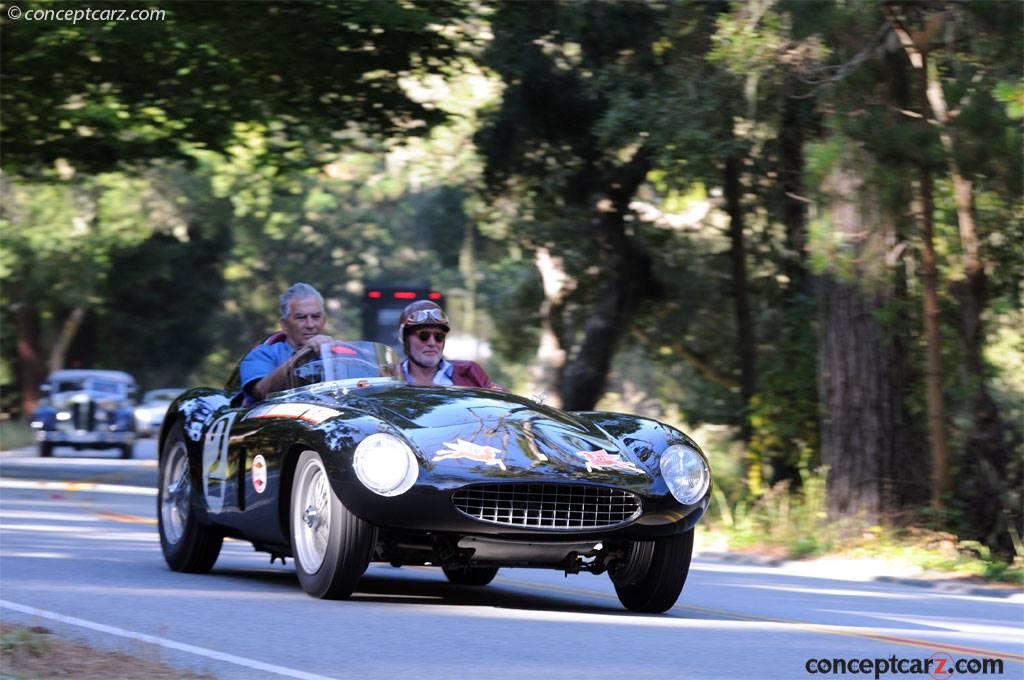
point(658, 589)
point(127, 450)
point(331, 546)
point(188, 545)
point(470, 576)
point(45, 449)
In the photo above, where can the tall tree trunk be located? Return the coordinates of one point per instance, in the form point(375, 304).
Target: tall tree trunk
point(628, 280)
point(745, 340)
point(933, 372)
point(859, 400)
point(550, 355)
point(68, 331)
point(981, 482)
point(31, 368)
point(794, 205)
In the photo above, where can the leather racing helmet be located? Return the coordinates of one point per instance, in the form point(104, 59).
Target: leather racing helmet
point(421, 313)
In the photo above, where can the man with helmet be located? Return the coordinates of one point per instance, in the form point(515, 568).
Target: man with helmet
point(422, 329)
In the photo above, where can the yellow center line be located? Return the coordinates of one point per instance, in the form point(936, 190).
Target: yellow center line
point(130, 519)
point(803, 625)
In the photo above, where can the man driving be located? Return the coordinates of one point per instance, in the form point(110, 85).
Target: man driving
point(266, 367)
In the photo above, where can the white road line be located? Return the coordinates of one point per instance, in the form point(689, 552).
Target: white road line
point(163, 642)
point(77, 486)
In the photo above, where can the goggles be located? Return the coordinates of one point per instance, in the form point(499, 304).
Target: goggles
point(422, 317)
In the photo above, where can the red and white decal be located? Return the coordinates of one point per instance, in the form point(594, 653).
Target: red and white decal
point(318, 414)
point(602, 460)
point(311, 414)
point(259, 474)
point(470, 451)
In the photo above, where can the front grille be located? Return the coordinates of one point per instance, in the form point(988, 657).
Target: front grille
point(547, 506)
point(83, 415)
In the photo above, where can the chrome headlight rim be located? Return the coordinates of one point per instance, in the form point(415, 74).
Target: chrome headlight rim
point(686, 472)
point(385, 464)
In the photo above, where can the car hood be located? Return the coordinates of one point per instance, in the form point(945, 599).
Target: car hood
point(463, 432)
point(103, 399)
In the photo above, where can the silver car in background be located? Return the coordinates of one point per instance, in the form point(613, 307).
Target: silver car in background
point(149, 415)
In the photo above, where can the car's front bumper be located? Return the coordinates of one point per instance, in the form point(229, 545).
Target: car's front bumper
point(84, 437)
point(426, 509)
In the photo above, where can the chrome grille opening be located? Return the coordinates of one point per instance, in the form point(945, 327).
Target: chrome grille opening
point(83, 415)
point(547, 506)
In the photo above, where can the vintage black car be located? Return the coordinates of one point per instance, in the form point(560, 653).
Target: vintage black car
point(86, 409)
point(353, 466)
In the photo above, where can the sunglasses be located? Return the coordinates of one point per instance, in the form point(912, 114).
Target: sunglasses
point(426, 335)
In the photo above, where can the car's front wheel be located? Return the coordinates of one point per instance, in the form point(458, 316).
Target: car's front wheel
point(187, 544)
point(126, 450)
point(471, 576)
point(45, 449)
point(657, 589)
point(331, 546)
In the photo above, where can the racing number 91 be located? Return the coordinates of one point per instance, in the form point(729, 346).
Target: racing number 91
point(215, 461)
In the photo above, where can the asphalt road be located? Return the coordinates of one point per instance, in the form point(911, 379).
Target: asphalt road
point(79, 553)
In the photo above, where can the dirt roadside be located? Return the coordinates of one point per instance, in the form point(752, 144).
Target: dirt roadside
point(37, 652)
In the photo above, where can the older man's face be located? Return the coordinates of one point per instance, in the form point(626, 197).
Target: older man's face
point(305, 319)
point(426, 345)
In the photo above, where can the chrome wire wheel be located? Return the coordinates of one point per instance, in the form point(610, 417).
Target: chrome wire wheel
point(311, 515)
point(175, 494)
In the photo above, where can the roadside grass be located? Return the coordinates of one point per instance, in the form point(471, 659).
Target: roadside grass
point(31, 641)
point(796, 525)
point(15, 434)
point(37, 652)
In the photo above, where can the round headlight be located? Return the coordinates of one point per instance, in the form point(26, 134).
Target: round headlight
point(385, 464)
point(686, 473)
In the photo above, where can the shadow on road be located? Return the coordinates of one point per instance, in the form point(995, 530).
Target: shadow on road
point(410, 589)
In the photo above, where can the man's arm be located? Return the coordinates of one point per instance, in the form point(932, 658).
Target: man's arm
point(472, 374)
point(277, 380)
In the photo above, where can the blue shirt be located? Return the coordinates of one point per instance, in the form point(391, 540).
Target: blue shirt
point(261, 362)
point(443, 376)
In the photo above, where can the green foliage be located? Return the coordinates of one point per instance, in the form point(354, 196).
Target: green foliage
point(1012, 95)
point(32, 641)
point(14, 434)
point(104, 93)
point(784, 412)
point(795, 521)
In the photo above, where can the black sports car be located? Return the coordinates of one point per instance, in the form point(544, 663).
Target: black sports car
point(352, 465)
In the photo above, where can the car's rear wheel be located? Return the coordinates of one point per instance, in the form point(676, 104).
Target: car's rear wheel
point(188, 545)
point(126, 450)
point(45, 449)
point(657, 589)
point(331, 546)
point(471, 576)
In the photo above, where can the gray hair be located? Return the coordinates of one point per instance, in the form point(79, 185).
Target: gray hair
point(299, 291)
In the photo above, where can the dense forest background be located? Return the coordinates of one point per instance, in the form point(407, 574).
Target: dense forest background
point(794, 228)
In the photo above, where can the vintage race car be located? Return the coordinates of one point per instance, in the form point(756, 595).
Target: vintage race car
point(352, 465)
point(86, 409)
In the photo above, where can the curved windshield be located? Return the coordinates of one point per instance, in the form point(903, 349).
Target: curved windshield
point(346, 360)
